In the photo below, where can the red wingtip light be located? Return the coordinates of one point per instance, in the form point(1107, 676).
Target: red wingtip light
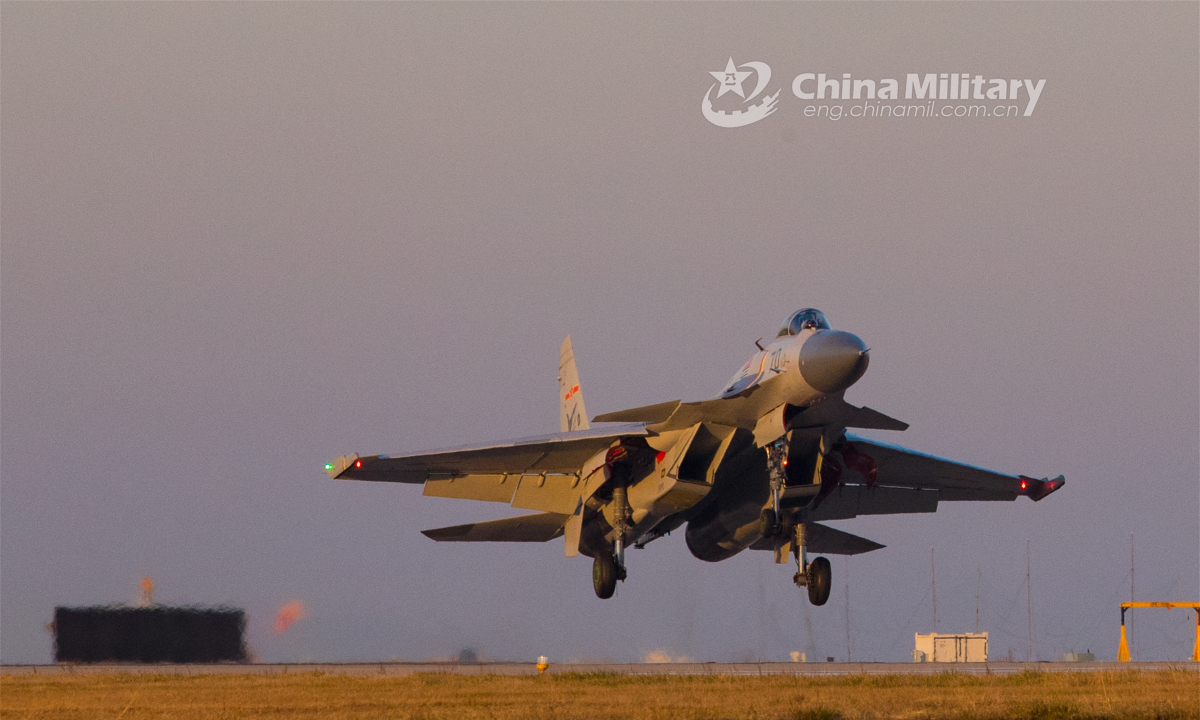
point(1039, 489)
point(659, 457)
point(358, 464)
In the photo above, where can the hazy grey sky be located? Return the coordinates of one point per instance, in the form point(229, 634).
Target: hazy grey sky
point(241, 239)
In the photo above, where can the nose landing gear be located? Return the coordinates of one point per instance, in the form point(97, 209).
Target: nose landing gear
point(769, 524)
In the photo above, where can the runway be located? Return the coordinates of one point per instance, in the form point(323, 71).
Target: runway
point(515, 668)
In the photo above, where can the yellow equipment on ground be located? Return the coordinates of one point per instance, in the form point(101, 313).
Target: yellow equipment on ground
point(1123, 650)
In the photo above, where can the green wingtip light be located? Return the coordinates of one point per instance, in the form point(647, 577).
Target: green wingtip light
point(328, 466)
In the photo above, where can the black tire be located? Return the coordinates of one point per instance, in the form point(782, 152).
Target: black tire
point(820, 581)
point(604, 575)
point(768, 524)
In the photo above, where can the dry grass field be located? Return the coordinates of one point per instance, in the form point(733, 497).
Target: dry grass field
point(1173, 695)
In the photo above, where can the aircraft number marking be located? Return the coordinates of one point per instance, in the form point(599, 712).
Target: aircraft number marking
point(777, 361)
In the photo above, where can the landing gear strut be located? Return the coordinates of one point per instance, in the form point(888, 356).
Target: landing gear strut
point(608, 568)
point(817, 576)
point(777, 453)
point(620, 523)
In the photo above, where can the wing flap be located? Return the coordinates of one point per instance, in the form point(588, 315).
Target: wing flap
point(489, 488)
point(848, 501)
point(541, 527)
point(548, 493)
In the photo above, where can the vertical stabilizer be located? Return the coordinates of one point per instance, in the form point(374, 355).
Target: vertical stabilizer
point(574, 416)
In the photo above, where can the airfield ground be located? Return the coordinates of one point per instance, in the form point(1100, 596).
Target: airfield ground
point(1172, 694)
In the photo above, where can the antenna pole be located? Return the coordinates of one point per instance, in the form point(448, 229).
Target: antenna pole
point(933, 576)
point(1029, 600)
point(978, 579)
point(1131, 597)
point(846, 570)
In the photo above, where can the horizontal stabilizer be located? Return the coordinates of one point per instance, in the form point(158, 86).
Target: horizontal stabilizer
point(836, 411)
point(868, 419)
point(827, 540)
point(647, 414)
point(824, 539)
point(526, 528)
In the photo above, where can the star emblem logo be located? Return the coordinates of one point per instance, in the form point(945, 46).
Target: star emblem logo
point(731, 79)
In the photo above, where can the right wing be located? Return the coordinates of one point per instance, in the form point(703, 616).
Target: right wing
point(538, 473)
point(886, 465)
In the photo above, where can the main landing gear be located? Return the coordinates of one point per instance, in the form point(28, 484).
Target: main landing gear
point(818, 578)
point(608, 568)
point(774, 523)
point(817, 575)
point(605, 574)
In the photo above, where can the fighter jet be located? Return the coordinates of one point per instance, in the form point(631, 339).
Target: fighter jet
point(760, 466)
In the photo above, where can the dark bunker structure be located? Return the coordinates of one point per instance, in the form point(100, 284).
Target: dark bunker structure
point(154, 634)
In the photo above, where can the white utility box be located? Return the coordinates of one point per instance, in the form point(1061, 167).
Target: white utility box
point(945, 647)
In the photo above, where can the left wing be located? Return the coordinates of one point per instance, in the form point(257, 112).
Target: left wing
point(887, 465)
point(537, 473)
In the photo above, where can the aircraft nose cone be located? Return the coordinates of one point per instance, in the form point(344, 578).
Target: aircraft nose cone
point(832, 360)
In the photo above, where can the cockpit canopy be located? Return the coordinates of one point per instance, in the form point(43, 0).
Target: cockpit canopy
point(803, 320)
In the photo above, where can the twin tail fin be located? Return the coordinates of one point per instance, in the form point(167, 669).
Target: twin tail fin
point(573, 415)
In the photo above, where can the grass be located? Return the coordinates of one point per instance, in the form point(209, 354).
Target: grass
point(1163, 695)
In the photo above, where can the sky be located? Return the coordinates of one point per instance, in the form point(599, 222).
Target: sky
point(238, 240)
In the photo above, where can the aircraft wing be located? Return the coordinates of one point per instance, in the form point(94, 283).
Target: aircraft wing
point(537, 473)
point(887, 465)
